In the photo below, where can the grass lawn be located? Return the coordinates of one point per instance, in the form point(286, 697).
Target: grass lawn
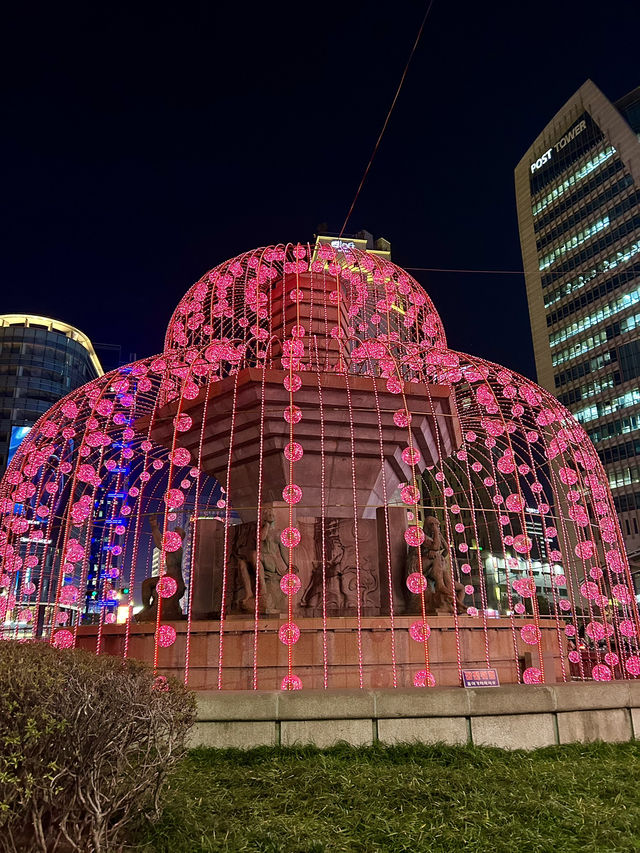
point(404, 798)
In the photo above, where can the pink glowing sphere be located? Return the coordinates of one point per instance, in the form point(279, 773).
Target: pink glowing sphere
point(166, 636)
point(632, 665)
point(291, 682)
point(596, 631)
point(472, 611)
point(291, 494)
point(293, 451)
point(292, 415)
point(627, 628)
point(292, 383)
point(585, 550)
point(166, 587)
point(290, 584)
point(410, 494)
point(519, 608)
point(422, 678)
point(416, 583)
point(600, 672)
point(69, 594)
point(574, 657)
point(522, 544)
point(530, 634)
point(171, 541)
point(419, 631)
point(289, 633)
point(589, 590)
point(411, 456)
point(402, 418)
point(612, 659)
point(414, 536)
point(394, 386)
point(290, 537)
point(532, 675)
point(63, 639)
point(182, 422)
point(181, 456)
point(174, 498)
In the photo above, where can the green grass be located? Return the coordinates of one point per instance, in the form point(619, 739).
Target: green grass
point(404, 798)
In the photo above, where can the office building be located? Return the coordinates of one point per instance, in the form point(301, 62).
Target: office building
point(41, 360)
point(578, 198)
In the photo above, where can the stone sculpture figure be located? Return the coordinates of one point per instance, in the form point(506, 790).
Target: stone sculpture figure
point(270, 568)
point(436, 567)
point(171, 610)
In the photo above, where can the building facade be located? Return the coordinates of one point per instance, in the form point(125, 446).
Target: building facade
point(578, 198)
point(41, 360)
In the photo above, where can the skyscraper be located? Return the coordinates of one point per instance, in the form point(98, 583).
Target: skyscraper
point(578, 197)
point(41, 360)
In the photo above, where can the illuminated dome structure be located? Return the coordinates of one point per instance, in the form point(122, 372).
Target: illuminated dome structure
point(308, 488)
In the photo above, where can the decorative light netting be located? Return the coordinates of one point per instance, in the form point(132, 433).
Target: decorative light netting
point(307, 460)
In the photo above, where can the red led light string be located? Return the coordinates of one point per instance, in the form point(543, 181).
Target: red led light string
point(523, 526)
point(256, 616)
point(420, 634)
point(226, 532)
point(322, 519)
point(355, 527)
point(394, 671)
point(545, 527)
point(567, 559)
point(449, 539)
point(194, 533)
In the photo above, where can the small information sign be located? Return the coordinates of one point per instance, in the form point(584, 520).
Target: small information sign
point(480, 678)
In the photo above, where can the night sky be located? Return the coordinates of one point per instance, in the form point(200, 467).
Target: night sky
point(143, 145)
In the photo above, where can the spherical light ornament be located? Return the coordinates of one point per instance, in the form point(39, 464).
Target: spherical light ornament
point(411, 456)
point(293, 451)
point(171, 541)
point(632, 665)
point(419, 631)
point(291, 494)
point(394, 386)
point(166, 636)
point(402, 418)
point(574, 657)
point(166, 587)
point(292, 383)
point(292, 415)
point(290, 584)
point(174, 498)
point(522, 544)
point(181, 456)
point(596, 631)
point(589, 590)
point(416, 583)
point(63, 639)
point(472, 611)
point(182, 422)
point(290, 537)
point(414, 536)
point(289, 634)
point(600, 672)
point(291, 682)
point(530, 634)
point(627, 628)
point(422, 678)
point(69, 594)
point(410, 494)
point(612, 659)
point(532, 675)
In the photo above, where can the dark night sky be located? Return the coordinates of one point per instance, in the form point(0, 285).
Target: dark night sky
point(143, 145)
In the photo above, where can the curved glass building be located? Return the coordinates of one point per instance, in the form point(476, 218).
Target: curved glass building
point(578, 197)
point(41, 360)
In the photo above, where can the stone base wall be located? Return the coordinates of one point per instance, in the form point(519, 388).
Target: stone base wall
point(511, 717)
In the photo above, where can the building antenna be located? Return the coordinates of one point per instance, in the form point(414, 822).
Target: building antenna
point(386, 121)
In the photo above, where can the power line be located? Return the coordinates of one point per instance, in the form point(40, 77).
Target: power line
point(386, 121)
point(487, 272)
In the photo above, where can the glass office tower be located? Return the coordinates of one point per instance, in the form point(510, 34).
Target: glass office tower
point(41, 360)
point(578, 197)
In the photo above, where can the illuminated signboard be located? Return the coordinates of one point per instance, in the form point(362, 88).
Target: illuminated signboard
point(17, 434)
point(579, 137)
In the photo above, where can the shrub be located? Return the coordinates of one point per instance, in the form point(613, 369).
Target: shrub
point(86, 743)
